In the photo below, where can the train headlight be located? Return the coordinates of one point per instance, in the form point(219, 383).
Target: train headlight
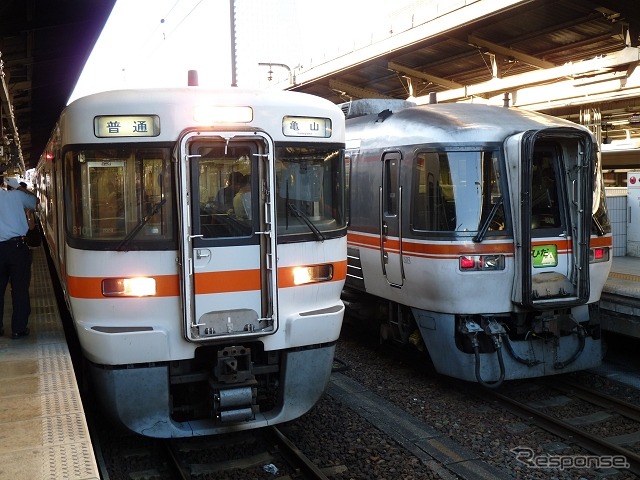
point(492, 262)
point(129, 287)
point(598, 254)
point(312, 274)
point(481, 262)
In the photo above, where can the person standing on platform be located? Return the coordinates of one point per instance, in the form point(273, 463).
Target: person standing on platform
point(15, 256)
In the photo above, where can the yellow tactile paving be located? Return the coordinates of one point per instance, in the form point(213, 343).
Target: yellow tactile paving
point(43, 431)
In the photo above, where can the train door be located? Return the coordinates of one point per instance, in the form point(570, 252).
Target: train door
point(390, 214)
point(554, 213)
point(228, 246)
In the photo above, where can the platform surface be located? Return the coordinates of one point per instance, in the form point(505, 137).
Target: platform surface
point(43, 430)
point(624, 277)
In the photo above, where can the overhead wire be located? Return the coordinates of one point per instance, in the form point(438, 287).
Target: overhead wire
point(156, 45)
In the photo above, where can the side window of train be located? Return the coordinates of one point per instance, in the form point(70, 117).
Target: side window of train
point(390, 178)
point(49, 194)
point(347, 178)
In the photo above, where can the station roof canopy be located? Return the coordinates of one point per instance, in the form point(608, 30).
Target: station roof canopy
point(571, 58)
point(44, 45)
point(565, 57)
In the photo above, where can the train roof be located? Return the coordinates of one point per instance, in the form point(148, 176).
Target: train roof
point(384, 123)
point(176, 107)
point(229, 96)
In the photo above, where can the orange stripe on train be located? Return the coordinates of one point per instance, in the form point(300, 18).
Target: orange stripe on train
point(210, 282)
point(439, 248)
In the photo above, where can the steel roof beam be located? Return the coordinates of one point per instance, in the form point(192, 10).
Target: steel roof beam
point(509, 52)
point(396, 67)
point(354, 91)
point(604, 64)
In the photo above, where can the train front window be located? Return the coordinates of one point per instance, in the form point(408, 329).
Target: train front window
point(223, 177)
point(457, 191)
point(117, 195)
point(601, 223)
point(545, 206)
point(310, 190)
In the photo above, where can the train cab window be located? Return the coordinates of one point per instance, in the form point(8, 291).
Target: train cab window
point(457, 191)
point(545, 207)
point(222, 176)
point(309, 191)
point(601, 223)
point(119, 196)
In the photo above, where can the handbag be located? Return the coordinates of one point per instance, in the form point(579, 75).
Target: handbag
point(33, 237)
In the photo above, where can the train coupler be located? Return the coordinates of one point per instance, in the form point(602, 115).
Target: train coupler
point(236, 404)
point(233, 365)
point(233, 385)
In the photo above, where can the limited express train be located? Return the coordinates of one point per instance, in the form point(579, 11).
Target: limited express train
point(200, 240)
point(483, 231)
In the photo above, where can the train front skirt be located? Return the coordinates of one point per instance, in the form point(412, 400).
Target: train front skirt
point(140, 398)
point(531, 357)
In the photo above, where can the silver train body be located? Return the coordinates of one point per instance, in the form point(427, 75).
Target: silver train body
point(484, 230)
point(200, 240)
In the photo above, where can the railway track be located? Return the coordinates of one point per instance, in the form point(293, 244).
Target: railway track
point(263, 453)
point(390, 410)
point(580, 417)
point(276, 455)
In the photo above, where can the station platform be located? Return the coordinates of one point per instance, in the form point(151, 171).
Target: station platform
point(624, 277)
point(620, 299)
point(43, 429)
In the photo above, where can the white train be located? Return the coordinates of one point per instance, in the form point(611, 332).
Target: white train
point(200, 240)
point(483, 230)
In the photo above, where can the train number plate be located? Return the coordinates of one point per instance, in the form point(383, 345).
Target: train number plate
point(544, 256)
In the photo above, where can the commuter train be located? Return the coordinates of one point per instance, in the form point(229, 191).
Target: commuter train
point(200, 240)
point(484, 233)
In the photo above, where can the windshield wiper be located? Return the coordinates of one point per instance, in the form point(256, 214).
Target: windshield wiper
point(303, 216)
point(154, 209)
point(596, 224)
point(485, 225)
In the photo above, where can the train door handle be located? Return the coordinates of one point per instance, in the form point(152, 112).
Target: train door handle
point(385, 229)
point(202, 253)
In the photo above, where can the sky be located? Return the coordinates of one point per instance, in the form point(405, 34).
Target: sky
point(154, 43)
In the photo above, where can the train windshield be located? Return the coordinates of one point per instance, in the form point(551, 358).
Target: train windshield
point(119, 196)
point(458, 191)
point(600, 224)
point(310, 190)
